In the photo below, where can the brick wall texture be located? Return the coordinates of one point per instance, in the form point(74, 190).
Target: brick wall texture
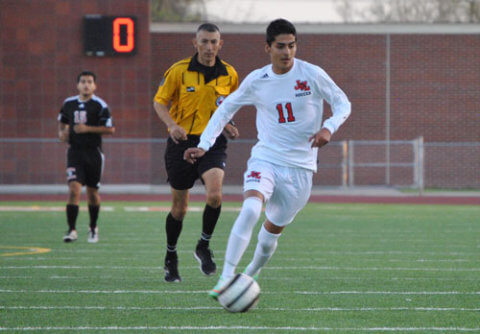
point(434, 92)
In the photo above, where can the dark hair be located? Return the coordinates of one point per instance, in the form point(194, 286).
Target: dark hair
point(87, 73)
point(278, 27)
point(210, 27)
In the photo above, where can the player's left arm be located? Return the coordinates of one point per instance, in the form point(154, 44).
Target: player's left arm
point(340, 105)
point(321, 138)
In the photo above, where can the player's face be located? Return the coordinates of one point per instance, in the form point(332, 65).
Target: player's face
point(86, 86)
point(207, 45)
point(282, 51)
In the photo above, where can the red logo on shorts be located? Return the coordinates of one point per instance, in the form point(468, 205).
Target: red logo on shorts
point(255, 175)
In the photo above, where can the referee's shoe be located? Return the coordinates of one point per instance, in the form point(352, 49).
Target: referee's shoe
point(204, 256)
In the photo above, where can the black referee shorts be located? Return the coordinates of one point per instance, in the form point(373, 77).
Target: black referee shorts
point(181, 174)
point(85, 166)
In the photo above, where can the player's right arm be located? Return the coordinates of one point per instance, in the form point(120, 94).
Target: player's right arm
point(63, 131)
point(63, 125)
point(176, 132)
point(168, 91)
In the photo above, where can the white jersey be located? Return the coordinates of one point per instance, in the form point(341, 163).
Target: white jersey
point(289, 111)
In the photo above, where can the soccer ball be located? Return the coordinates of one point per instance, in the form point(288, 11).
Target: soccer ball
point(240, 294)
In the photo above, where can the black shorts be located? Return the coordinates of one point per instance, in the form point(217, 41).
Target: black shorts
point(181, 174)
point(85, 166)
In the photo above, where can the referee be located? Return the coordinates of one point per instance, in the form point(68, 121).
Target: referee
point(82, 121)
point(193, 88)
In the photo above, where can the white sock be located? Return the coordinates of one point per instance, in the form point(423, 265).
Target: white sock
point(267, 243)
point(241, 234)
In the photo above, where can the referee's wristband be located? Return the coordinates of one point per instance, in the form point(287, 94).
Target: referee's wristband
point(232, 123)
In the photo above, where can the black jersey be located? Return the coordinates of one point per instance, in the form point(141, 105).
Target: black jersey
point(93, 112)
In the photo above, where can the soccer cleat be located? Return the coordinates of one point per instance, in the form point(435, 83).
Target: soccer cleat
point(70, 236)
point(171, 270)
point(93, 235)
point(204, 256)
point(255, 277)
point(221, 284)
point(218, 288)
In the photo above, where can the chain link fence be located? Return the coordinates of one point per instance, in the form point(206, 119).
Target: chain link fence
point(400, 163)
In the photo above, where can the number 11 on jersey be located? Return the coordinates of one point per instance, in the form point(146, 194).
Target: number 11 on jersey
point(281, 117)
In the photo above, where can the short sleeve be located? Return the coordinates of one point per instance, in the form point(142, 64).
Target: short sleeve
point(106, 117)
point(63, 116)
point(167, 87)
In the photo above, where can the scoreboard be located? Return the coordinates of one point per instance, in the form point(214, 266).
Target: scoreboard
point(109, 35)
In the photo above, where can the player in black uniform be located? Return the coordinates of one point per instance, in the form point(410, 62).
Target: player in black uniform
point(82, 121)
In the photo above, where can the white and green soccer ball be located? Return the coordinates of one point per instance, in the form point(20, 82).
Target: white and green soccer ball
point(240, 294)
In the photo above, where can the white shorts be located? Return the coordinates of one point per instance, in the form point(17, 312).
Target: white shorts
point(286, 189)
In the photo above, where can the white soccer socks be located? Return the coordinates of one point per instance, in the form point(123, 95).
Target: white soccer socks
point(241, 234)
point(267, 243)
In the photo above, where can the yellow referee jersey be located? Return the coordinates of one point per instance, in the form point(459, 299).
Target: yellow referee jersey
point(193, 101)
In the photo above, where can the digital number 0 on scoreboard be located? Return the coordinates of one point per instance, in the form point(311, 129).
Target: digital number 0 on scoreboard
point(109, 35)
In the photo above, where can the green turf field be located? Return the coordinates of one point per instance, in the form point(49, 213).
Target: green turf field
point(339, 268)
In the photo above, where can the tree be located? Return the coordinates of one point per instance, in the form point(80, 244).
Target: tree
point(424, 11)
point(178, 10)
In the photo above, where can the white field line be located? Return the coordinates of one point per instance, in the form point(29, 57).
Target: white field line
point(247, 328)
point(289, 268)
point(433, 293)
point(331, 278)
point(299, 253)
point(167, 209)
point(375, 268)
point(389, 253)
point(75, 258)
point(37, 208)
point(309, 309)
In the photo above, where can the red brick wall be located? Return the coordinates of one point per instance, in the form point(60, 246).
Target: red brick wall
point(358, 68)
point(436, 87)
point(435, 79)
point(434, 93)
point(41, 52)
point(434, 84)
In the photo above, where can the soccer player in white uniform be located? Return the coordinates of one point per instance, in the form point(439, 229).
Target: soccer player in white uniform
point(288, 95)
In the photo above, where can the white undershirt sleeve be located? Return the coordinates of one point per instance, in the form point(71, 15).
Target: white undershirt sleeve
point(340, 105)
point(224, 114)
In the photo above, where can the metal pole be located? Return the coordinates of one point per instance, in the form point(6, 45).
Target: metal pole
point(351, 167)
point(344, 163)
point(416, 172)
point(421, 184)
point(387, 109)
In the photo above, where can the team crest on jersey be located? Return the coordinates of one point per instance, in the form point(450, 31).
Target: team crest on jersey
point(190, 89)
point(254, 176)
point(219, 100)
point(303, 87)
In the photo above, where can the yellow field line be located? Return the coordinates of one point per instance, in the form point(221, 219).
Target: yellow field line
point(26, 250)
